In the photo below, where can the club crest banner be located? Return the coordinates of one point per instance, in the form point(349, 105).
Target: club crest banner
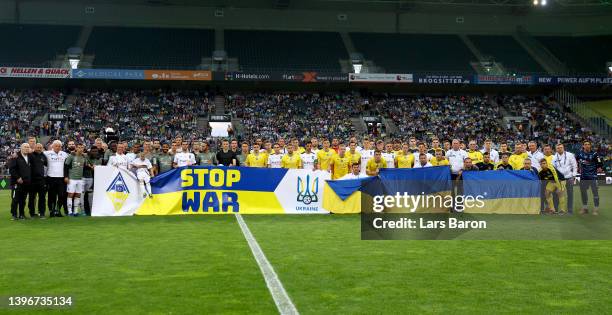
point(210, 190)
point(116, 192)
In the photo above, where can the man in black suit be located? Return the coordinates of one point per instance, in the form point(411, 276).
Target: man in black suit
point(21, 171)
point(13, 182)
point(38, 163)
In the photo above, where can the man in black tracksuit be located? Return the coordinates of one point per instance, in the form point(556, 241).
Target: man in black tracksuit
point(37, 189)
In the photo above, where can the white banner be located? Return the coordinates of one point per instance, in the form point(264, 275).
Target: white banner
point(301, 191)
point(116, 192)
point(381, 77)
point(22, 72)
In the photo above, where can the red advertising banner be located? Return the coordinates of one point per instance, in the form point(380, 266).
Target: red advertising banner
point(178, 75)
point(23, 72)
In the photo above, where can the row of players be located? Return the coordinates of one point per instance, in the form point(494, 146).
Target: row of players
point(76, 168)
point(335, 158)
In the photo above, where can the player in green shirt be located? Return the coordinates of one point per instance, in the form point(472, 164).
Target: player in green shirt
point(94, 157)
point(206, 157)
point(73, 176)
point(164, 160)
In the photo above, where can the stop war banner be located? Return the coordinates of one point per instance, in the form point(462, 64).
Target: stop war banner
point(24, 72)
point(210, 190)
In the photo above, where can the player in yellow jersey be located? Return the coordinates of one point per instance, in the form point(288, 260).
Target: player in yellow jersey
point(340, 163)
point(256, 158)
point(548, 154)
point(353, 153)
point(517, 158)
point(296, 145)
point(325, 155)
point(405, 159)
point(474, 153)
point(375, 164)
point(292, 159)
point(439, 159)
point(397, 147)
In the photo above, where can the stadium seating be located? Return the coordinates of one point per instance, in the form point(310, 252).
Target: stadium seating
point(149, 48)
point(283, 50)
point(26, 45)
point(414, 53)
point(506, 50)
point(581, 55)
point(300, 115)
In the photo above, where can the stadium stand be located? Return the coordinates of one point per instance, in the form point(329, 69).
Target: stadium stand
point(18, 110)
point(581, 55)
point(506, 50)
point(138, 114)
point(284, 50)
point(410, 53)
point(148, 48)
point(300, 115)
point(27, 45)
point(463, 117)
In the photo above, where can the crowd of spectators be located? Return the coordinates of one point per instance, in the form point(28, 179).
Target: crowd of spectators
point(462, 117)
point(19, 112)
point(137, 114)
point(300, 115)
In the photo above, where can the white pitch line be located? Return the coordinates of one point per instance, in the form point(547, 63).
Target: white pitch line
point(281, 298)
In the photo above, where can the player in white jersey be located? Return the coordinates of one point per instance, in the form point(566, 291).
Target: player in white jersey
point(314, 142)
point(309, 158)
point(389, 156)
point(274, 159)
point(143, 173)
point(119, 160)
point(184, 158)
point(55, 179)
point(366, 154)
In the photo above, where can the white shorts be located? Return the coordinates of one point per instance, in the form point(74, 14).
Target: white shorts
point(143, 177)
point(75, 186)
point(87, 184)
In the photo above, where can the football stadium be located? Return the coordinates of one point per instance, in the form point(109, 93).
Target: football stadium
point(306, 156)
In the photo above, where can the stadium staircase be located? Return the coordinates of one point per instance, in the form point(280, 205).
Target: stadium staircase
point(586, 113)
point(540, 53)
point(202, 123)
point(390, 126)
point(359, 125)
point(219, 105)
point(479, 56)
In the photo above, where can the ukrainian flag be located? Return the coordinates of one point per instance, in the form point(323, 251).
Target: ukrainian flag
point(503, 192)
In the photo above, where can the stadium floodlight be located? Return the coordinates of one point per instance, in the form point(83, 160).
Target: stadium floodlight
point(74, 63)
point(535, 2)
point(543, 2)
point(357, 67)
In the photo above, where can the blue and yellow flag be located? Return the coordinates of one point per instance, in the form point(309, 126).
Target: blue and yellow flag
point(506, 192)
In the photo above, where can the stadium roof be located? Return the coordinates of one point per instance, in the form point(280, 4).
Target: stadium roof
point(519, 7)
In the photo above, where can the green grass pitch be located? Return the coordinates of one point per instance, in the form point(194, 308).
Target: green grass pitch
point(203, 265)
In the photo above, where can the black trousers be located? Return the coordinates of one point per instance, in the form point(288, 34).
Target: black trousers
point(21, 193)
point(13, 202)
point(585, 184)
point(57, 194)
point(37, 190)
